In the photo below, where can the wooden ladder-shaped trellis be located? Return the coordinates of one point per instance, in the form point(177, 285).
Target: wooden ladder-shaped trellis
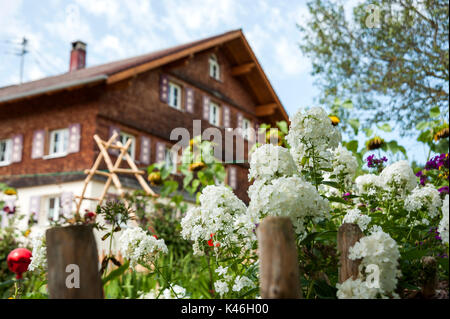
point(113, 169)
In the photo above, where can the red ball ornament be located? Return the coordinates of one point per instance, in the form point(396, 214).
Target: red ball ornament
point(18, 261)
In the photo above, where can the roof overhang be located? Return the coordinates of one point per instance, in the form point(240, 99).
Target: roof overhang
point(247, 67)
point(55, 88)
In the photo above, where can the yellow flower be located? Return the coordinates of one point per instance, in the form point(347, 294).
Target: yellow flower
point(195, 167)
point(443, 133)
point(155, 178)
point(10, 191)
point(273, 134)
point(27, 232)
point(334, 120)
point(374, 143)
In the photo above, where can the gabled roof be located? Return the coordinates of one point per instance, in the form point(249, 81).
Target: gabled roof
point(238, 50)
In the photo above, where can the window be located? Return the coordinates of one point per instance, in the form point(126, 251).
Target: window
point(246, 126)
point(123, 138)
point(170, 160)
point(53, 208)
point(214, 114)
point(175, 95)
point(5, 152)
point(59, 142)
point(214, 69)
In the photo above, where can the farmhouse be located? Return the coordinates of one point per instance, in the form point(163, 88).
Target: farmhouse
point(46, 140)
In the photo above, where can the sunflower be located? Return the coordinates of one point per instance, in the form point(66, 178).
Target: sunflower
point(374, 143)
point(155, 178)
point(273, 134)
point(198, 166)
point(10, 191)
point(334, 120)
point(441, 132)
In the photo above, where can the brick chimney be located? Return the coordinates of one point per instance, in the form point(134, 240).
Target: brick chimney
point(77, 56)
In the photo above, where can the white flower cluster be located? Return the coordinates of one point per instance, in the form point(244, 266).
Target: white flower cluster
point(139, 247)
point(39, 251)
point(427, 198)
point(223, 286)
point(241, 282)
point(269, 162)
point(354, 216)
point(177, 292)
point(400, 176)
point(355, 289)
point(288, 196)
point(443, 225)
point(381, 250)
point(220, 220)
point(368, 184)
point(344, 165)
point(310, 130)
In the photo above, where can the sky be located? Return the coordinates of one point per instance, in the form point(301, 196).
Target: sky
point(116, 29)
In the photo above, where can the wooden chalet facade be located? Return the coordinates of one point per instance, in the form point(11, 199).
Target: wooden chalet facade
point(46, 136)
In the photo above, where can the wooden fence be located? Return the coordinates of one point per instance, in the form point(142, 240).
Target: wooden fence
point(279, 269)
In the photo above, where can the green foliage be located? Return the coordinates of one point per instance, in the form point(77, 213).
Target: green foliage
point(396, 70)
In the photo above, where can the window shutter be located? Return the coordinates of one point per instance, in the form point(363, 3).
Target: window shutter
point(65, 201)
point(35, 205)
point(74, 138)
point(206, 101)
point(240, 118)
point(145, 150)
point(189, 101)
point(17, 146)
point(226, 116)
point(112, 130)
point(164, 88)
point(160, 152)
point(232, 177)
point(38, 144)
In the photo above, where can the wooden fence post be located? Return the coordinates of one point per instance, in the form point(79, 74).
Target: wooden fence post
point(279, 272)
point(430, 278)
point(348, 235)
point(73, 258)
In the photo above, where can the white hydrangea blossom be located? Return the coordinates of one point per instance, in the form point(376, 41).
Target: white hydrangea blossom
point(177, 292)
point(221, 218)
point(443, 225)
point(39, 251)
point(368, 184)
point(269, 162)
point(139, 247)
point(354, 216)
point(426, 197)
point(309, 130)
point(381, 250)
point(221, 287)
point(344, 164)
point(242, 282)
point(355, 289)
point(288, 196)
point(399, 176)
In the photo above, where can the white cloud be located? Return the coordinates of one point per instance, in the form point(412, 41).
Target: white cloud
point(290, 58)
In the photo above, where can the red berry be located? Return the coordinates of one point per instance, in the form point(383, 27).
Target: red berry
point(18, 261)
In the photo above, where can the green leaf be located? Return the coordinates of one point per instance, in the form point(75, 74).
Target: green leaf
point(385, 127)
point(435, 112)
point(352, 146)
point(368, 131)
point(348, 104)
point(354, 123)
point(282, 125)
point(422, 125)
point(116, 272)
